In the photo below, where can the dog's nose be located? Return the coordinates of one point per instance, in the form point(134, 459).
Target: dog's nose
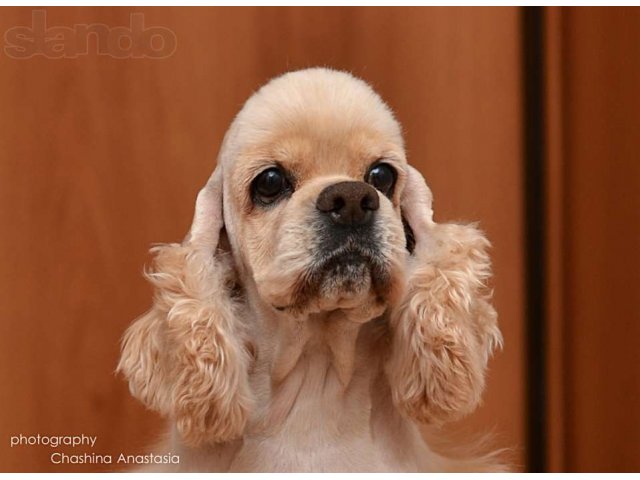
point(348, 203)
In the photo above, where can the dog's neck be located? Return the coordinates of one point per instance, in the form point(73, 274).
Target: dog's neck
point(331, 330)
point(289, 335)
point(314, 361)
point(291, 349)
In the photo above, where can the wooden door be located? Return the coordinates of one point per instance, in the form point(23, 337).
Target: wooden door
point(100, 157)
point(593, 176)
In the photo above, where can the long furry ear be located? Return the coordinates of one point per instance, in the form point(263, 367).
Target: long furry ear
point(445, 328)
point(186, 357)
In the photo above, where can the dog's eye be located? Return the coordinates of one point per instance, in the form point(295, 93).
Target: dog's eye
point(383, 177)
point(270, 185)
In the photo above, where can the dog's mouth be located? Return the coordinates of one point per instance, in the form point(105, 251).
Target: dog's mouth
point(345, 275)
point(348, 271)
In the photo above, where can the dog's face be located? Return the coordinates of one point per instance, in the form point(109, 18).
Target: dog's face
point(313, 178)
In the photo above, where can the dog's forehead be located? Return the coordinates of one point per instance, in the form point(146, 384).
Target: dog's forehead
point(314, 151)
point(317, 119)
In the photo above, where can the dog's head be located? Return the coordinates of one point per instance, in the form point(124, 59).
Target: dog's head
point(313, 169)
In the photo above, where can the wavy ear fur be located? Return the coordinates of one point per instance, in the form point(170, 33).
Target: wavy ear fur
point(445, 328)
point(186, 357)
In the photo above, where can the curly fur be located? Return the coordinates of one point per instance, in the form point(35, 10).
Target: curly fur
point(444, 329)
point(186, 357)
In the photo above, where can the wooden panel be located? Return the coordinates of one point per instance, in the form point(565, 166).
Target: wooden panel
point(602, 104)
point(100, 157)
point(555, 238)
point(453, 78)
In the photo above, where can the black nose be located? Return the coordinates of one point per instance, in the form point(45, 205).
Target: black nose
point(348, 203)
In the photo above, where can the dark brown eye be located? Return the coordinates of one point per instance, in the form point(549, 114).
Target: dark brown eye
point(270, 185)
point(382, 176)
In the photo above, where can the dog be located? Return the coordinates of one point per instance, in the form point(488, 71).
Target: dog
point(315, 316)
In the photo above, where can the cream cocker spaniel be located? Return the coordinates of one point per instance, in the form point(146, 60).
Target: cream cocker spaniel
point(315, 314)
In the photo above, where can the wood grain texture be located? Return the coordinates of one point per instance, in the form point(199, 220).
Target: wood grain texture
point(601, 102)
point(100, 157)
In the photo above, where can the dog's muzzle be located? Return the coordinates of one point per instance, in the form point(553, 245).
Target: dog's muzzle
point(349, 254)
point(349, 261)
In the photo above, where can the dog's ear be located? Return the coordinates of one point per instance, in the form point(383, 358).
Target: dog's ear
point(187, 358)
point(445, 328)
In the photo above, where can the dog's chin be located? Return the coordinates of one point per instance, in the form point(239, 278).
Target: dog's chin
point(351, 281)
point(344, 280)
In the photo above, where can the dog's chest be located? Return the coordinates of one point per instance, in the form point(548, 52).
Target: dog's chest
point(313, 423)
